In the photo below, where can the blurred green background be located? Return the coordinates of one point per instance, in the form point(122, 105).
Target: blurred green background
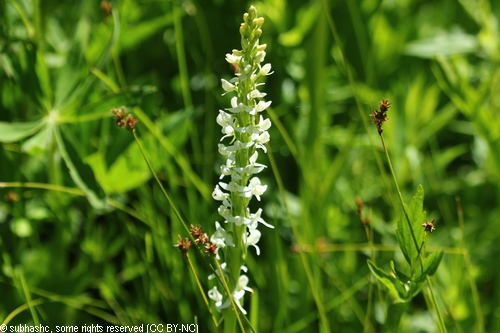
point(87, 236)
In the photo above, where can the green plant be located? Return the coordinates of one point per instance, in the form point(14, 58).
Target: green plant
point(412, 229)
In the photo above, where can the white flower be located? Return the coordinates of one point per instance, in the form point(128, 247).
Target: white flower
point(228, 169)
point(221, 238)
point(218, 195)
point(223, 150)
point(255, 188)
point(261, 106)
point(225, 212)
point(252, 166)
point(265, 70)
point(239, 292)
point(224, 119)
point(238, 145)
point(253, 238)
point(234, 187)
point(243, 282)
point(215, 295)
point(264, 124)
point(261, 139)
point(238, 107)
point(229, 131)
point(259, 57)
point(255, 218)
point(256, 94)
point(227, 86)
point(232, 58)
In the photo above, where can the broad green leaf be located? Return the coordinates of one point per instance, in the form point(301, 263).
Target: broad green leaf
point(13, 132)
point(38, 143)
point(80, 173)
point(129, 170)
point(410, 233)
point(395, 287)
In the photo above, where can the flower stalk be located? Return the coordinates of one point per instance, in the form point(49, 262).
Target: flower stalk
point(245, 135)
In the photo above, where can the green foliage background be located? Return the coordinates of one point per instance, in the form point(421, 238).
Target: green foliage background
point(86, 236)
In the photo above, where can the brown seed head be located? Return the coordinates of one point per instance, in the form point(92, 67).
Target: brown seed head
point(379, 117)
point(119, 113)
point(130, 122)
point(211, 249)
point(183, 245)
point(195, 230)
point(384, 105)
point(199, 236)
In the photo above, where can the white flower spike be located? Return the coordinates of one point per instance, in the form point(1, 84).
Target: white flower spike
point(244, 130)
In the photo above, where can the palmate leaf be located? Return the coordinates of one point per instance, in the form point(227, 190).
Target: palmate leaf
point(81, 173)
point(13, 132)
point(410, 233)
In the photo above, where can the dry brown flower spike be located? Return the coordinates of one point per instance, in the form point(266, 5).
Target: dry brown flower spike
point(380, 117)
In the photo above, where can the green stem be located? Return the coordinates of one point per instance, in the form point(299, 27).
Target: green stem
point(442, 326)
point(200, 287)
point(433, 297)
point(231, 314)
point(400, 196)
point(172, 204)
